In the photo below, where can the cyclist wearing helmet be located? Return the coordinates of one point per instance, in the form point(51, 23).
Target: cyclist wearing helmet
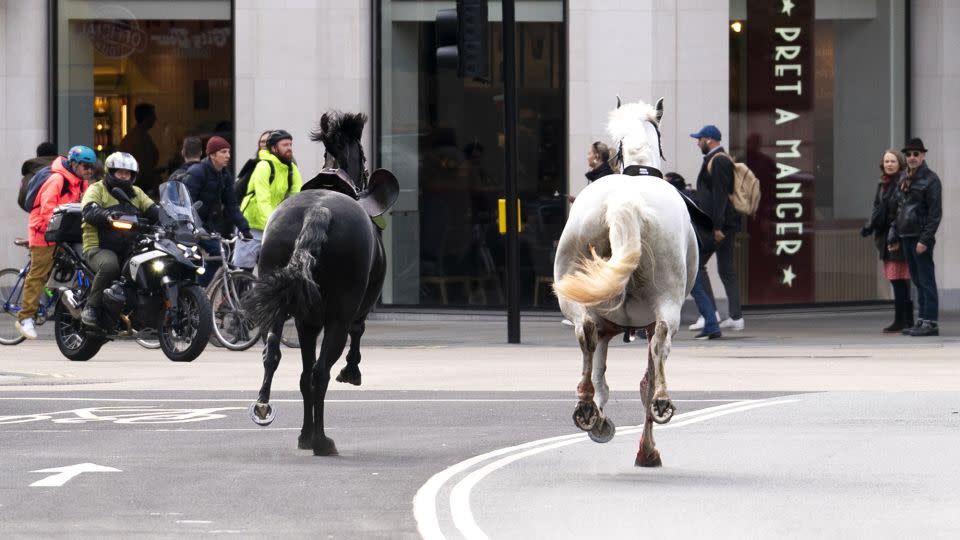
point(275, 178)
point(104, 247)
point(66, 184)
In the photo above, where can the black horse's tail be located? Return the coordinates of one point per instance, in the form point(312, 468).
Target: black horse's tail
point(291, 290)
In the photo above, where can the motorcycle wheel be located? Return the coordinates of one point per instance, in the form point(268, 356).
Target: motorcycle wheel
point(72, 337)
point(185, 343)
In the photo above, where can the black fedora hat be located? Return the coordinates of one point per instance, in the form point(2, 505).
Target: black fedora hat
point(914, 144)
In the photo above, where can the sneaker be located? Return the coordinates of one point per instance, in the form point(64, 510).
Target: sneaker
point(26, 328)
point(927, 328)
point(732, 324)
point(704, 335)
point(700, 323)
point(909, 331)
point(89, 316)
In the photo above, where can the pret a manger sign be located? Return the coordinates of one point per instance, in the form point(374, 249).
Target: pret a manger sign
point(780, 107)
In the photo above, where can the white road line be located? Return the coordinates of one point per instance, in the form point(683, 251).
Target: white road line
point(425, 501)
point(411, 400)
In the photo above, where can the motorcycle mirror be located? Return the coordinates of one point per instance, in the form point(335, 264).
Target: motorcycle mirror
point(120, 195)
point(198, 205)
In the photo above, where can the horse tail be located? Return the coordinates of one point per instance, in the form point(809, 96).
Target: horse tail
point(598, 280)
point(291, 290)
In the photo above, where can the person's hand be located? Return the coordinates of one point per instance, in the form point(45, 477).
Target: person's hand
point(246, 234)
point(571, 198)
point(893, 247)
point(921, 248)
point(866, 231)
point(718, 235)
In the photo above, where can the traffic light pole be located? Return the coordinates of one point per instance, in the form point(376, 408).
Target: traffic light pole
point(510, 136)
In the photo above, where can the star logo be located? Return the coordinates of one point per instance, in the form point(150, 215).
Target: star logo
point(788, 276)
point(787, 7)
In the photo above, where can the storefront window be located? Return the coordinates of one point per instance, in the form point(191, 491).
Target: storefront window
point(444, 139)
point(140, 76)
point(816, 96)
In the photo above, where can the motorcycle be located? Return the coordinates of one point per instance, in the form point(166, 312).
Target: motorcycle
point(156, 296)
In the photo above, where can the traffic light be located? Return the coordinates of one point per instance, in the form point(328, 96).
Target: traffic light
point(462, 39)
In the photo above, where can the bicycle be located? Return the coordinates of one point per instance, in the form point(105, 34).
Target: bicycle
point(230, 327)
point(11, 293)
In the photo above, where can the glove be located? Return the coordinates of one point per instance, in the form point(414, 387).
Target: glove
point(866, 231)
point(246, 234)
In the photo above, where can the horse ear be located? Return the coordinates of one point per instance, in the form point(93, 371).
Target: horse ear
point(659, 108)
point(618, 102)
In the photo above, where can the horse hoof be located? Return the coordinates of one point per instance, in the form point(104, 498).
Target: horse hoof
point(651, 460)
point(325, 447)
point(303, 443)
point(662, 410)
point(586, 415)
point(262, 414)
point(350, 375)
point(603, 432)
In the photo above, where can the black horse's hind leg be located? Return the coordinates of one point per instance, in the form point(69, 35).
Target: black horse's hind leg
point(261, 411)
point(308, 355)
point(334, 340)
point(351, 372)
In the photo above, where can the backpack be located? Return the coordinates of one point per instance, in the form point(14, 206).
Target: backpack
point(243, 180)
point(29, 190)
point(745, 193)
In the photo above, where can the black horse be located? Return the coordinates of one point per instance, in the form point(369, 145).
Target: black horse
point(322, 262)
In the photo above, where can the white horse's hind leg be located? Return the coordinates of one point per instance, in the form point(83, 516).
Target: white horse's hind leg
point(587, 413)
point(600, 372)
point(661, 405)
point(648, 455)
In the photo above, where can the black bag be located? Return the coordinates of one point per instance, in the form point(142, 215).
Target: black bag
point(243, 179)
point(64, 225)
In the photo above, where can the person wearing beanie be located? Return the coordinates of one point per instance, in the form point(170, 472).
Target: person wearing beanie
point(209, 181)
point(275, 177)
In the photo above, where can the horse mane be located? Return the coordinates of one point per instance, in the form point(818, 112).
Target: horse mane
point(337, 125)
point(626, 126)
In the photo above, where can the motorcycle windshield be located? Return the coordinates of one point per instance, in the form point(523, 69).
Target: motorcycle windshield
point(175, 201)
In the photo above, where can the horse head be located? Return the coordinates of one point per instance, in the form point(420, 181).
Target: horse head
point(635, 128)
point(340, 134)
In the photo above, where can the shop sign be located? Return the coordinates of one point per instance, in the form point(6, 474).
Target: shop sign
point(780, 130)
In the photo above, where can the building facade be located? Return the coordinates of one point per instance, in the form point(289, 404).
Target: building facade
point(808, 93)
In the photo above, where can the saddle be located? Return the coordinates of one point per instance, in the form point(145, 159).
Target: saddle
point(380, 194)
point(698, 217)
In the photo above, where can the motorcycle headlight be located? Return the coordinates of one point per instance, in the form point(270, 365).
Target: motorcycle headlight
point(157, 266)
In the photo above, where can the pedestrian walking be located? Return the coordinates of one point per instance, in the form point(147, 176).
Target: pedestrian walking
point(919, 210)
point(714, 186)
point(895, 267)
point(210, 182)
point(67, 182)
point(274, 178)
point(191, 151)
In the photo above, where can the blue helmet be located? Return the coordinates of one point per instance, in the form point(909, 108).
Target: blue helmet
point(82, 154)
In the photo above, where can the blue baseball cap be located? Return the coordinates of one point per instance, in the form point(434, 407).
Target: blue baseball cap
point(708, 130)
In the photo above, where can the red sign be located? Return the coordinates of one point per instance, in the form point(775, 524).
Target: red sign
point(780, 149)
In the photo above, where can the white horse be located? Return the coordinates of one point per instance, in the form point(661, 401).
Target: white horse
point(627, 258)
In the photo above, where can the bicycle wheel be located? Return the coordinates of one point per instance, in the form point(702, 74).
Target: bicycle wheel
point(149, 343)
point(230, 327)
point(11, 291)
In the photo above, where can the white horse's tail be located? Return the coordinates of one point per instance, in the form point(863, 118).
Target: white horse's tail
point(600, 280)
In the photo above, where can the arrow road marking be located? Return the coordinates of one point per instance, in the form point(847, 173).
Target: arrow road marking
point(67, 472)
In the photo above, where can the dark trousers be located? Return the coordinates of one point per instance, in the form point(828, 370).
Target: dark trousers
point(212, 247)
point(106, 268)
point(725, 266)
point(924, 278)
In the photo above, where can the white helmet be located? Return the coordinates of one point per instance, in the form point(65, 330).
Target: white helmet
point(121, 160)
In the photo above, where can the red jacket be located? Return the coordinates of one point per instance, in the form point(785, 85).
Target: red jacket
point(61, 188)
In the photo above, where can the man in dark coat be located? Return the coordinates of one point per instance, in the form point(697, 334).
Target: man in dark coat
point(714, 186)
point(210, 182)
point(919, 210)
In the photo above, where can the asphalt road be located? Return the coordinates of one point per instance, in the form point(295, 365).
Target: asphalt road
point(805, 425)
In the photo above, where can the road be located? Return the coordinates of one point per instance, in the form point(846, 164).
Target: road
point(806, 424)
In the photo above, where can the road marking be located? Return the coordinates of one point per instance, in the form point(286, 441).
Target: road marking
point(425, 501)
point(67, 473)
point(406, 400)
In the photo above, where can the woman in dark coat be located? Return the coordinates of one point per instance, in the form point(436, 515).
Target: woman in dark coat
point(894, 264)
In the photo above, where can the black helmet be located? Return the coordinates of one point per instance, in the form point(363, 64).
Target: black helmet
point(277, 136)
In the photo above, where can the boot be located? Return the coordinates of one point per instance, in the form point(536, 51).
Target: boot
point(897, 324)
point(907, 314)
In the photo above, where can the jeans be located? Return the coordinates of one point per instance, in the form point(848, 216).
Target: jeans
point(212, 247)
point(924, 277)
point(726, 267)
point(705, 305)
